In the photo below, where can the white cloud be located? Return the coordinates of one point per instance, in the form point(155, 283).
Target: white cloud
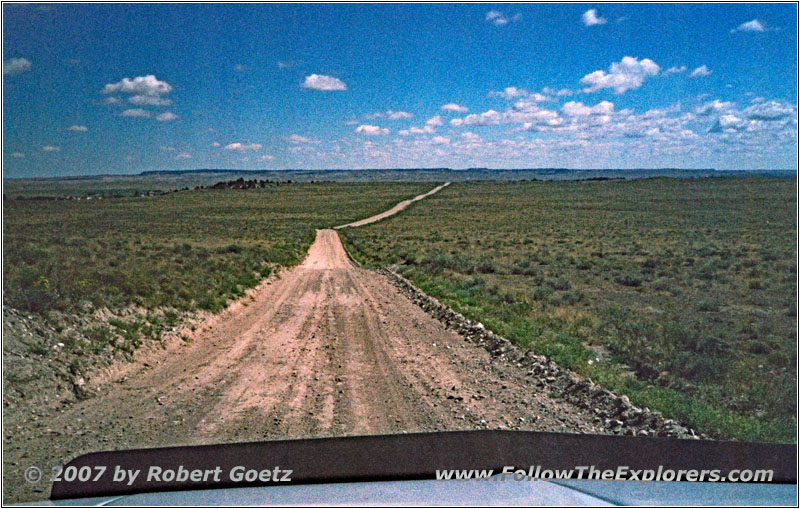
point(51, 148)
point(489, 117)
point(391, 115)
point(17, 155)
point(136, 112)
point(590, 18)
point(622, 76)
point(183, 155)
point(559, 93)
point(266, 157)
point(371, 130)
point(148, 100)
point(751, 26)
point(141, 85)
point(770, 111)
point(242, 147)
point(499, 19)
point(324, 83)
point(700, 72)
point(454, 108)
point(284, 65)
point(712, 107)
point(78, 128)
point(440, 140)
point(167, 116)
point(16, 66)
point(434, 121)
point(573, 108)
point(296, 139)
point(112, 100)
point(674, 70)
point(216, 144)
point(238, 67)
point(509, 93)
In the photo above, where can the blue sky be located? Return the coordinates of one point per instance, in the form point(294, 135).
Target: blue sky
point(119, 88)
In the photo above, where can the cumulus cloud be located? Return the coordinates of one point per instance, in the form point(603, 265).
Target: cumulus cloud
point(266, 158)
point(454, 108)
point(591, 18)
point(148, 100)
point(573, 108)
point(78, 128)
point(440, 140)
point(699, 72)
point(371, 130)
point(391, 115)
point(434, 121)
point(769, 111)
point(622, 76)
point(50, 148)
point(750, 26)
point(167, 116)
point(136, 113)
point(242, 147)
point(111, 100)
point(674, 70)
point(559, 93)
point(296, 139)
point(16, 66)
point(712, 107)
point(490, 117)
point(324, 83)
point(140, 86)
point(499, 19)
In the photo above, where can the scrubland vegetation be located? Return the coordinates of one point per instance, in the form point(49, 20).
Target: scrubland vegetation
point(166, 254)
point(678, 293)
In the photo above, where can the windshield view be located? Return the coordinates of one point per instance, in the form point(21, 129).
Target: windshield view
point(229, 224)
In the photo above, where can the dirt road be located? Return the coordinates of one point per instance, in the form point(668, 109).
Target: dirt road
point(392, 211)
point(323, 349)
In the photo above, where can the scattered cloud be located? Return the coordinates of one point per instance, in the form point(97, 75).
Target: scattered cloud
point(391, 115)
point(135, 113)
point(591, 18)
point(440, 140)
point(750, 26)
point(140, 86)
point(50, 148)
point(499, 19)
point(17, 155)
point(266, 157)
point(285, 65)
point(112, 100)
point(183, 155)
point(712, 107)
point(560, 93)
point(627, 74)
point(700, 72)
point(434, 121)
point(324, 83)
point(78, 128)
point(371, 130)
point(573, 108)
point(489, 117)
point(16, 66)
point(148, 100)
point(296, 139)
point(167, 116)
point(454, 108)
point(674, 70)
point(242, 147)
